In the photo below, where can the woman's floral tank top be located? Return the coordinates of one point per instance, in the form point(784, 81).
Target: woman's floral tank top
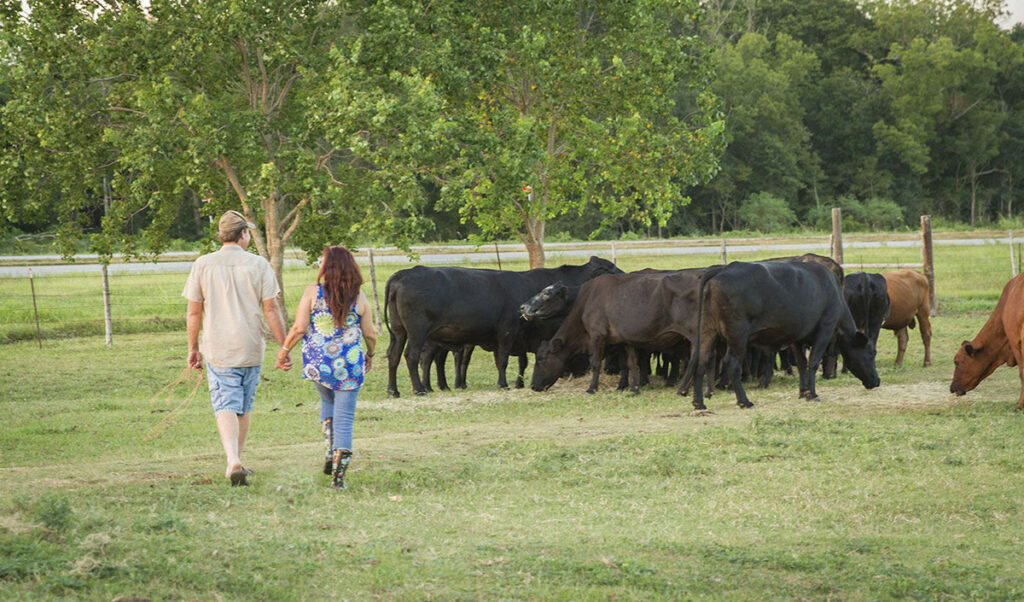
point(332, 356)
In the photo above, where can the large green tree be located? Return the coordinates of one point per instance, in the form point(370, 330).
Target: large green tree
point(272, 107)
point(573, 105)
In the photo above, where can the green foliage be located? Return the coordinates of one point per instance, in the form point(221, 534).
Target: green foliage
point(764, 212)
point(871, 215)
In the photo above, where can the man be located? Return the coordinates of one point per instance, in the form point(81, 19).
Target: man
point(227, 291)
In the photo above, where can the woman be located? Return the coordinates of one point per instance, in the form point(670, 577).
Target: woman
point(332, 318)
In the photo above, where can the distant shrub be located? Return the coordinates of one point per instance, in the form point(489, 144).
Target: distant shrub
point(873, 214)
point(764, 212)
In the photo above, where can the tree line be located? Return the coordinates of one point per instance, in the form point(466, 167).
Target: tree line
point(358, 122)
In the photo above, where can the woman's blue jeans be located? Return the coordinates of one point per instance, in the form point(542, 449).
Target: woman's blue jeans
point(340, 406)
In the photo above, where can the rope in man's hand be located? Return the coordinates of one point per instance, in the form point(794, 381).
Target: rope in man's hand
point(187, 375)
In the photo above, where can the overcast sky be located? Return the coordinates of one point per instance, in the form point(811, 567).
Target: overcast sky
point(1016, 8)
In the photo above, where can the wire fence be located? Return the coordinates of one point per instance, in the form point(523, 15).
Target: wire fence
point(969, 277)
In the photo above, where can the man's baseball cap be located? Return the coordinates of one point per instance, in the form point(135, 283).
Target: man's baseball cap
point(233, 222)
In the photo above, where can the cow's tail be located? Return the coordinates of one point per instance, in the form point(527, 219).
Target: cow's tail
point(691, 367)
point(387, 302)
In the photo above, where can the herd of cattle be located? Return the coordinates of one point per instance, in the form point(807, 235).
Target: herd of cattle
point(722, 323)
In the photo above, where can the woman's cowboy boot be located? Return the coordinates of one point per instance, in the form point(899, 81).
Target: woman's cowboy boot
point(341, 459)
point(328, 428)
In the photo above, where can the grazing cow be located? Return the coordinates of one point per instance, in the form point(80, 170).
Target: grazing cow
point(908, 297)
point(998, 342)
point(466, 306)
point(772, 305)
point(652, 311)
point(830, 360)
point(868, 299)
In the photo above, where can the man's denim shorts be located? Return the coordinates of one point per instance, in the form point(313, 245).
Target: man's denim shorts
point(233, 389)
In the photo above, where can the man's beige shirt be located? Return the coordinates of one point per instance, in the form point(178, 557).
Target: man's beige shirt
point(232, 284)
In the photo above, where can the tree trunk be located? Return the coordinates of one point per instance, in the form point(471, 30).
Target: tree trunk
point(534, 242)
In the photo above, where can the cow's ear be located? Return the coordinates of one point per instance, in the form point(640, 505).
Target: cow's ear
point(556, 344)
point(968, 348)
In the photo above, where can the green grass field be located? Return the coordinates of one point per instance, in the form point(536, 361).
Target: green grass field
point(899, 492)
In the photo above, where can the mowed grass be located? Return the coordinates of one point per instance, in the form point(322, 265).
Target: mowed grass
point(900, 492)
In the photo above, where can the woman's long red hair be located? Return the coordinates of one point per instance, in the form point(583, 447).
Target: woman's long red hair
point(341, 278)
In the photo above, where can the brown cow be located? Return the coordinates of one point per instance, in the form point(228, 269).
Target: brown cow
point(908, 297)
point(998, 342)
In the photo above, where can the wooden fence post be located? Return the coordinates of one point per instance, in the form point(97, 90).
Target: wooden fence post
point(498, 255)
point(373, 287)
point(725, 259)
point(108, 320)
point(837, 235)
point(1013, 260)
point(927, 259)
point(35, 308)
point(615, 259)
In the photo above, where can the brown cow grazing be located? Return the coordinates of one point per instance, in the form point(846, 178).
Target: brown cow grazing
point(998, 342)
point(908, 297)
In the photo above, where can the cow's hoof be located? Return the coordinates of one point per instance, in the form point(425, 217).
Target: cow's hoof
point(444, 388)
point(393, 393)
point(462, 386)
point(635, 390)
point(420, 393)
point(699, 408)
point(591, 391)
point(519, 383)
point(745, 406)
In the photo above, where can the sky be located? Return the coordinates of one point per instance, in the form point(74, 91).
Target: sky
point(1016, 10)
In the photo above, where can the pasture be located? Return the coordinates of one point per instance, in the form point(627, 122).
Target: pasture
point(900, 492)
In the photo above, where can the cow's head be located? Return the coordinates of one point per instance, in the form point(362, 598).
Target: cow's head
point(973, 363)
point(597, 266)
point(551, 302)
point(549, 364)
point(859, 356)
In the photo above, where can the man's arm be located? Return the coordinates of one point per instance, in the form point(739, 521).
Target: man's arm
point(274, 320)
point(194, 321)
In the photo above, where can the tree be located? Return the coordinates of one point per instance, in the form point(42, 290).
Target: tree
point(270, 107)
point(568, 108)
point(768, 148)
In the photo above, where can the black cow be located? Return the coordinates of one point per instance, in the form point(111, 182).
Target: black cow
point(868, 300)
point(466, 306)
point(773, 305)
point(651, 311)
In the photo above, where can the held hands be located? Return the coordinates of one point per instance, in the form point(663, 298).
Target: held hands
point(284, 361)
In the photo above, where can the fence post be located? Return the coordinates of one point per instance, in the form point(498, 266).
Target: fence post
point(927, 259)
point(725, 259)
point(837, 235)
point(108, 321)
point(615, 259)
point(373, 287)
point(35, 308)
point(497, 254)
point(1013, 260)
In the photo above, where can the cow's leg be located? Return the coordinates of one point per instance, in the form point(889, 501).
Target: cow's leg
point(501, 363)
point(426, 362)
point(413, 349)
point(733, 367)
point(901, 345)
point(440, 359)
point(801, 370)
point(633, 360)
point(395, 347)
point(524, 361)
point(623, 376)
point(925, 324)
point(643, 359)
point(596, 354)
